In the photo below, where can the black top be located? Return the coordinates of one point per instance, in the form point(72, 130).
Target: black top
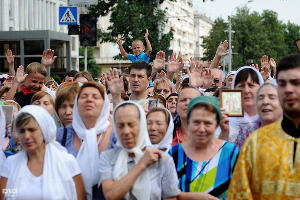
point(289, 127)
point(23, 99)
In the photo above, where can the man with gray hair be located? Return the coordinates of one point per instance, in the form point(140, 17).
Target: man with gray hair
point(218, 76)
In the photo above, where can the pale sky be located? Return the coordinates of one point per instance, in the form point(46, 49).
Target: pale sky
point(287, 10)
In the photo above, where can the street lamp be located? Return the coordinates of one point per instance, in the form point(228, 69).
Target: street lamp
point(230, 36)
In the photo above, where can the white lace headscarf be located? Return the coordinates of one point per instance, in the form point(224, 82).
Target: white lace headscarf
point(2, 135)
point(241, 127)
point(142, 187)
point(57, 179)
point(88, 155)
point(166, 142)
point(260, 78)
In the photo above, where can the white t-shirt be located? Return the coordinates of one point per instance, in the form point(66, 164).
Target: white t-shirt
point(31, 186)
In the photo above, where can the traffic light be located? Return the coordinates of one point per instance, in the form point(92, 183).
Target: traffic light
point(73, 30)
point(88, 30)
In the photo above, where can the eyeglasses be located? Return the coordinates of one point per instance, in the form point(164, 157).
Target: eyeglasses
point(216, 81)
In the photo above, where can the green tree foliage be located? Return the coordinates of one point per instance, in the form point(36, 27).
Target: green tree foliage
point(217, 35)
point(92, 66)
point(255, 35)
point(57, 79)
point(102, 8)
point(292, 32)
point(130, 19)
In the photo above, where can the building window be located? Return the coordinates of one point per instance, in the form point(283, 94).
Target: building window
point(15, 47)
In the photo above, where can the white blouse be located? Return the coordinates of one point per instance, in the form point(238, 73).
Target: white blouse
point(164, 180)
point(31, 186)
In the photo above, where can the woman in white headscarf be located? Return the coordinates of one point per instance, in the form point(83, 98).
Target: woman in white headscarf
point(131, 170)
point(43, 169)
point(160, 128)
point(247, 79)
point(89, 133)
point(2, 135)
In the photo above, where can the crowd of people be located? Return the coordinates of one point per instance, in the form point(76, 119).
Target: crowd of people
point(156, 131)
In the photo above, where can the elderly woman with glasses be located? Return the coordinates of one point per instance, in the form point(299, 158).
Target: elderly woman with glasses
point(163, 87)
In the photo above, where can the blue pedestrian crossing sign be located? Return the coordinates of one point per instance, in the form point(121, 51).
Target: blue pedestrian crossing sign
point(68, 15)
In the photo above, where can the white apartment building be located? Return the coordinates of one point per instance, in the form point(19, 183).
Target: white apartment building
point(180, 16)
point(202, 26)
point(30, 26)
point(188, 27)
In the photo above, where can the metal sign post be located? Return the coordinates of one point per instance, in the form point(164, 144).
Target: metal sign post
point(85, 58)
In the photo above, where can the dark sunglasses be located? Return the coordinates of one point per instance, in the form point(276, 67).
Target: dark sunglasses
point(216, 81)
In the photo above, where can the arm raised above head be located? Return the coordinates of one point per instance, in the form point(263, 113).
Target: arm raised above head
point(122, 50)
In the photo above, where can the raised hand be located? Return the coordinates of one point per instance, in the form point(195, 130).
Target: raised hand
point(119, 41)
point(199, 76)
point(161, 74)
point(272, 63)
point(175, 63)
point(102, 79)
point(10, 57)
point(222, 49)
point(255, 66)
point(48, 58)
point(194, 71)
point(114, 82)
point(146, 34)
point(9, 81)
point(265, 67)
point(207, 78)
point(264, 62)
point(20, 75)
point(159, 61)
